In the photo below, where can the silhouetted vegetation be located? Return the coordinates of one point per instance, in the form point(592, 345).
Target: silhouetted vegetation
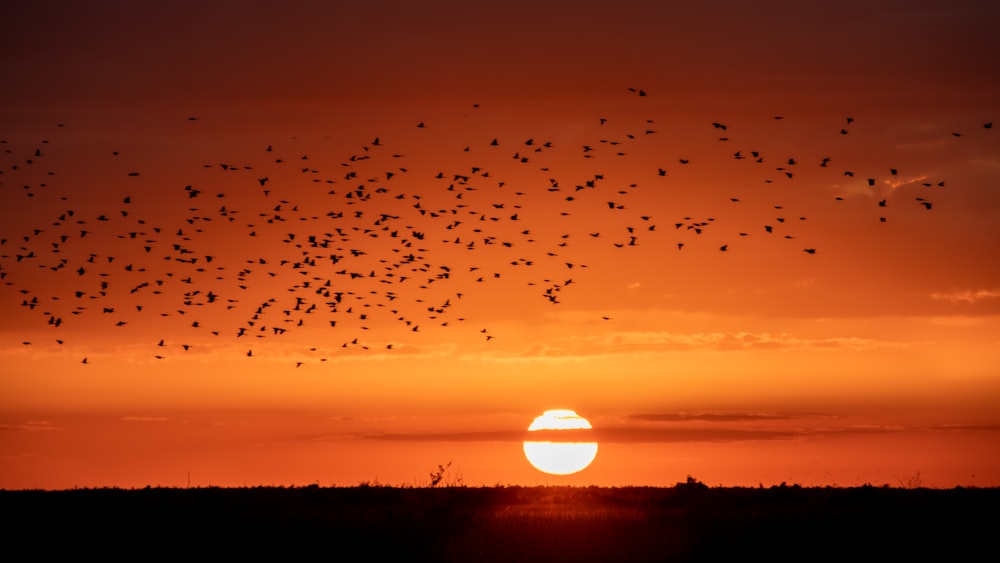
point(688, 522)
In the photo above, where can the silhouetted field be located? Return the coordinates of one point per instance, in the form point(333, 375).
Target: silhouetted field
point(689, 522)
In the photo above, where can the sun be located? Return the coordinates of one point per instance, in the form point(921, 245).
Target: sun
point(563, 453)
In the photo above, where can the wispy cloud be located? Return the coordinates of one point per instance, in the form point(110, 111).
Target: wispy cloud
point(368, 351)
point(652, 342)
point(707, 416)
point(968, 296)
point(965, 427)
point(475, 436)
point(957, 321)
point(29, 426)
point(896, 183)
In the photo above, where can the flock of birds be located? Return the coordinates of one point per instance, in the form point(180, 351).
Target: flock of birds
point(283, 244)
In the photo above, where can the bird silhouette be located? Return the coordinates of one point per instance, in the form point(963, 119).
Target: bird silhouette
point(376, 240)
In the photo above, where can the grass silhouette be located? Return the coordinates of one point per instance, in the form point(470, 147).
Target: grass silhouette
point(687, 522)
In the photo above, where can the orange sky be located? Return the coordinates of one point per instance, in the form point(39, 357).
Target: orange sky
point(482, 282)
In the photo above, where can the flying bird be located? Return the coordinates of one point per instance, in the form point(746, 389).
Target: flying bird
point(364, 240)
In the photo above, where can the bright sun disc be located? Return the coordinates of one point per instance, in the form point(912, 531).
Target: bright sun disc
point(560, 456)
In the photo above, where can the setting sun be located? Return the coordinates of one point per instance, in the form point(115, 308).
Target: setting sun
point(560, 456)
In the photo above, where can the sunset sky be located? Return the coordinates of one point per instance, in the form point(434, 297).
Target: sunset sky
point(262, 243)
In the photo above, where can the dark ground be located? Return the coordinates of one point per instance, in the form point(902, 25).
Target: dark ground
point(689, 522)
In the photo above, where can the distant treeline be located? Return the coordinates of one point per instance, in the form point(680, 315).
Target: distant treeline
point(688, 522)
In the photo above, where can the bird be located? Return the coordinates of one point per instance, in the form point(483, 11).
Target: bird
point(385, 239)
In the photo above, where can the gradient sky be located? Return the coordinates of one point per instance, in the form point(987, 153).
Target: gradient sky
point(331, 242)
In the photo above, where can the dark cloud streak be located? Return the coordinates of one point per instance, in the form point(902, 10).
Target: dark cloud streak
point(629, 435)
point(707, 417)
